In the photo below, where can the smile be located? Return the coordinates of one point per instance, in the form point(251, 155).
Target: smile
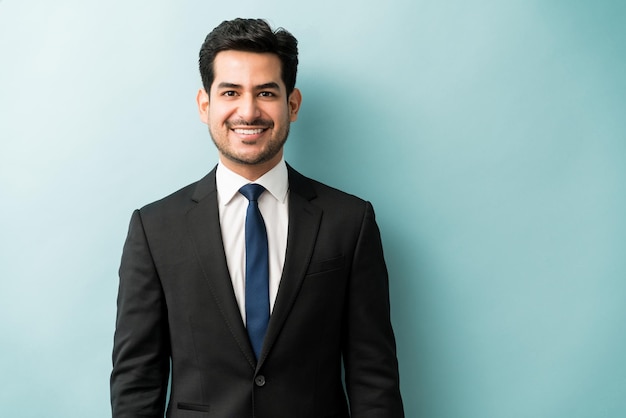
point(242, 131)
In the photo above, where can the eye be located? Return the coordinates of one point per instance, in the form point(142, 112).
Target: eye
point(267, 94)
point(229, 93)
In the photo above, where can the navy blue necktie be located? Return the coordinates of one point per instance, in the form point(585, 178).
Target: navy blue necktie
point(257, 269)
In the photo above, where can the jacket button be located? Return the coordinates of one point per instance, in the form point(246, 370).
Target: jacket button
point(260, 380)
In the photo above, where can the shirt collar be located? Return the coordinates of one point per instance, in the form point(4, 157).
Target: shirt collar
point(275, 181)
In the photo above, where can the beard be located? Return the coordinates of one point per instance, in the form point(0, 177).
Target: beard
point(273, 147)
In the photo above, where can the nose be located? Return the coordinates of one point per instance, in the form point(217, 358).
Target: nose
point(248, 108)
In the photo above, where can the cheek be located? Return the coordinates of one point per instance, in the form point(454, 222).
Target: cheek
point(281, 114)
point(217, 115)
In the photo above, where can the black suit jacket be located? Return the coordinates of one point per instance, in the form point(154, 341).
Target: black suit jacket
point(177, 310)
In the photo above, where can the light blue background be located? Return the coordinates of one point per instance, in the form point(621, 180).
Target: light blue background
point(489, 135)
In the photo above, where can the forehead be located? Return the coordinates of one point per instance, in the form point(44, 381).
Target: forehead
point(241, 67)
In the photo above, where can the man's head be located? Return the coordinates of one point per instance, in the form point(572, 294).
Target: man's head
point(250, 35)
point(249, 98)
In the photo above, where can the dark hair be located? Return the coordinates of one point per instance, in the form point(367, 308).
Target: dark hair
point(250, 35)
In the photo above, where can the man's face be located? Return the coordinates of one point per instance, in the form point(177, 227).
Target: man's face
point(247, 109)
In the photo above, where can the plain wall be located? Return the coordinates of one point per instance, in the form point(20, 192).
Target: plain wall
point(489, 135)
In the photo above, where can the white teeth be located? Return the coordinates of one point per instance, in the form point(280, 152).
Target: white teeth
point(248, 131)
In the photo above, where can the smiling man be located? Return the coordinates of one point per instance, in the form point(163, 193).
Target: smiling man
point(248, 110)
point(253, 289)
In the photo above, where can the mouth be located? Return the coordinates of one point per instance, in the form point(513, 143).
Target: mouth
point(249, 131)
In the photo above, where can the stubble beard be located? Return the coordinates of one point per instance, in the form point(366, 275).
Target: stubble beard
point(274, 146)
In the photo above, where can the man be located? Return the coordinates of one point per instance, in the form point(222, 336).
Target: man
point(253, 313)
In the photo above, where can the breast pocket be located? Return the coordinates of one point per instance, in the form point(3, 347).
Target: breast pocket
point(326, 266)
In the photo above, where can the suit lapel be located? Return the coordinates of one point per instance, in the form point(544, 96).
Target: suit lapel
point(204, 228)
point(304, 222)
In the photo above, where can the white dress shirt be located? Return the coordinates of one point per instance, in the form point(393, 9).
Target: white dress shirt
point(273, 204)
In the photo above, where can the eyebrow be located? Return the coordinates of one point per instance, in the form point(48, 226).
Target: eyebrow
point(271, 85)
point(265, 86)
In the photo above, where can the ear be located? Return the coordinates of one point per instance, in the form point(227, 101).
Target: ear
point(295, 100)
point(202, 99)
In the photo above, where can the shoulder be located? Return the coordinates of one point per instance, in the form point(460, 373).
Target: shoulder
point(323, 195)
point(182, 199)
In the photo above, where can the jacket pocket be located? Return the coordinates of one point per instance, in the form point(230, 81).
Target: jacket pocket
point(194, 407)
point(335, 263)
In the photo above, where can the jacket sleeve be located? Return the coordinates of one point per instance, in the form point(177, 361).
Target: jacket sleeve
point(369, 349)
point(141, 343)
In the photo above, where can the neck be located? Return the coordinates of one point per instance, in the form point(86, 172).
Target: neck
point(251, 171)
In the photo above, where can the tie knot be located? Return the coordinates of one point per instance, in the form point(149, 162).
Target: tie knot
point(252, 191)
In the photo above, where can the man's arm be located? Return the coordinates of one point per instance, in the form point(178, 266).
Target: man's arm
point(369, 349)
point(141, 347)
